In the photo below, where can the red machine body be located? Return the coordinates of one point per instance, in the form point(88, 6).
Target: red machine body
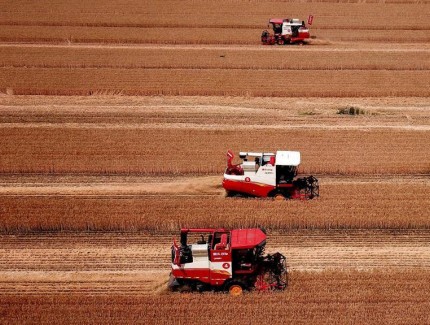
point(286, 31)
point(229, 260)
point(266, 174)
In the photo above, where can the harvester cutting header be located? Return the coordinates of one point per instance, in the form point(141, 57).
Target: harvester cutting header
point(287, 31)
point(266, 174)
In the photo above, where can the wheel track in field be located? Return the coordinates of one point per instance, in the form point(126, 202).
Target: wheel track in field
point(138, 263)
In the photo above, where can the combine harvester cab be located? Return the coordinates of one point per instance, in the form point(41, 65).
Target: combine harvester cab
point(268, 175)
point(228, 260)
point(286, 31)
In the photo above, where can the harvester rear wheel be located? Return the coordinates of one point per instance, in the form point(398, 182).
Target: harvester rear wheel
point(231, 194)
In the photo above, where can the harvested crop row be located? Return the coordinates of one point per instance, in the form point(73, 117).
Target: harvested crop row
point(394, 297)
point(221, 58)
point(216, 112)
point(359, 205)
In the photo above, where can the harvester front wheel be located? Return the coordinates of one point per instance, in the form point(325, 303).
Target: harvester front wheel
point(235, 288)
point(279, 197)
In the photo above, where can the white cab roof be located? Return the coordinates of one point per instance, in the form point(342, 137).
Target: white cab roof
point(288, 158)
point(256, 154)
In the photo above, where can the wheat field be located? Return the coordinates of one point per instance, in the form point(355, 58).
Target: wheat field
point(115, 118)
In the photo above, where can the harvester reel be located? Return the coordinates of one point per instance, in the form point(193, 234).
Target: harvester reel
point(275, 274)
point(265, 35)
point(313, 186)
point(308, 186)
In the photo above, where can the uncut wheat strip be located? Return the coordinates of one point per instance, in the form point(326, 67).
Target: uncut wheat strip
point(257, 14)
point(366, 206)
point(97, 150)
point(131, 58)
point(211, 82)
point(133, 35)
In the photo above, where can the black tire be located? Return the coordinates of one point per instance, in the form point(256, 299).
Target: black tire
point(230, 193)
point(234, 194)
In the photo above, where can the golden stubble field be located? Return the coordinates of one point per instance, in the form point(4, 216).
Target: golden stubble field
point(114, 123)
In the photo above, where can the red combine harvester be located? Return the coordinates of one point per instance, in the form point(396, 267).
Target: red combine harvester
point(268, 175)
point(286, 31)
point(229, 260)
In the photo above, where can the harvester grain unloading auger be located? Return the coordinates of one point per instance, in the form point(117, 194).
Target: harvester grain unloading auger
point(227, 260)
point(266, 174)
